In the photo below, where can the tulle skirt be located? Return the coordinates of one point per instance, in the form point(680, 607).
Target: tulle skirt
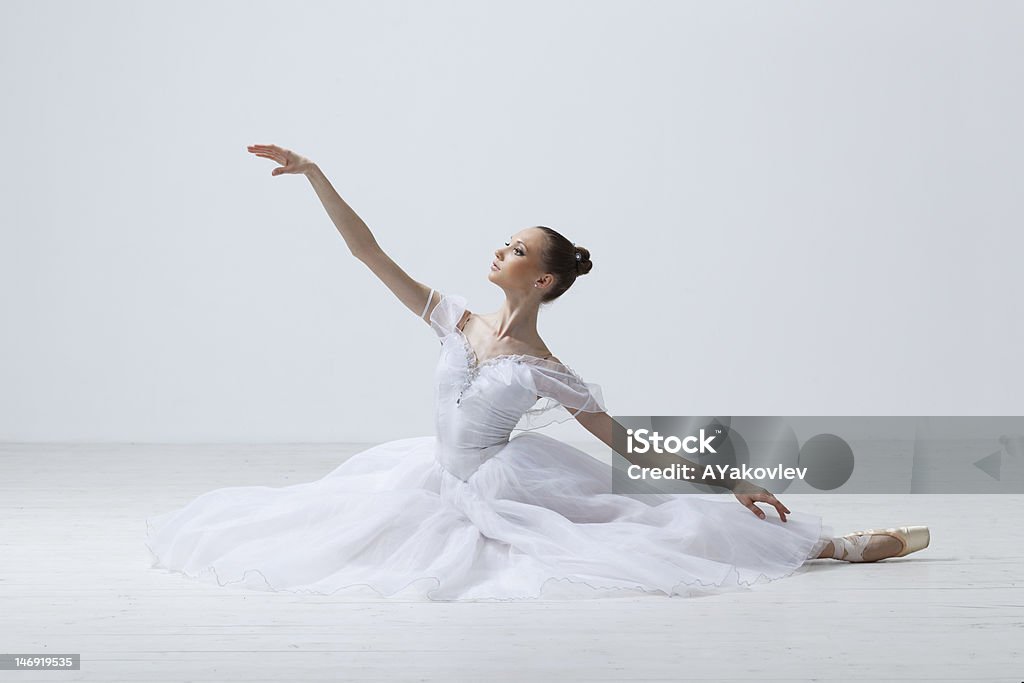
point(536, 520)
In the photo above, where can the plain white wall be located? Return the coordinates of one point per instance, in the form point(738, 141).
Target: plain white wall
point(793, 208)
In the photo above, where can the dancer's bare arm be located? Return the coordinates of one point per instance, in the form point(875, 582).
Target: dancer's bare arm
point(603, 426)
point(360, 241)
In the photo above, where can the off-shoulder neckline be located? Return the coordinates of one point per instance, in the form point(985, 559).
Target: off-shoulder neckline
point(475, 361)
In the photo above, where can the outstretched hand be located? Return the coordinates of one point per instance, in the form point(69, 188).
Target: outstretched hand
point(748, 494)
point(289, 160)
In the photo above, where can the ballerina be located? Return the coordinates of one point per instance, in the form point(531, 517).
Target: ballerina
point(473, 513)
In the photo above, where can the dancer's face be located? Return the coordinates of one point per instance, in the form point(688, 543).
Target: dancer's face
point(519, 262)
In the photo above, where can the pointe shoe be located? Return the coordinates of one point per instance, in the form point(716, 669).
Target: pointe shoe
point(851, 547)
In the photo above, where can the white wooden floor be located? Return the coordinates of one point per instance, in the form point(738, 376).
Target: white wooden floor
point(75, 577)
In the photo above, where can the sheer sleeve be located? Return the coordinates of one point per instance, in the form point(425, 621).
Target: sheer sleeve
point(447, 314)
point(563, 395)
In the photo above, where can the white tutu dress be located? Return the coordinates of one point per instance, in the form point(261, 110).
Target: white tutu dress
point(472, 514)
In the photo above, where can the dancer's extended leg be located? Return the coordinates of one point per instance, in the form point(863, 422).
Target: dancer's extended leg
point(875, 544)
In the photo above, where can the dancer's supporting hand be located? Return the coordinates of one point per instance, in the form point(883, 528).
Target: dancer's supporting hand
point(289, 160)
point(748, 493)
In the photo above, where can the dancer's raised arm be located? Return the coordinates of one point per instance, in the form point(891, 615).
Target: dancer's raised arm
point(354, 231)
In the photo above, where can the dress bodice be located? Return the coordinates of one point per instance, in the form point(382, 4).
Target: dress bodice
point(479, 404)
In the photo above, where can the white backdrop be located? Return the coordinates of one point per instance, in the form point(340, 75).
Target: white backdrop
point(793, 208)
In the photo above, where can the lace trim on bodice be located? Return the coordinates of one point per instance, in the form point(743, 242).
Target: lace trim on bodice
point(551, 380)
point(474, 365)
